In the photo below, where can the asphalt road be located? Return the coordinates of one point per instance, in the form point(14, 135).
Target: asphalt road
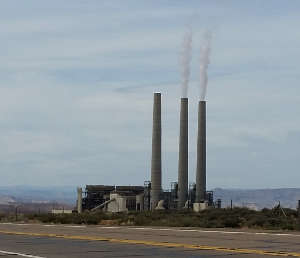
point(37, 241)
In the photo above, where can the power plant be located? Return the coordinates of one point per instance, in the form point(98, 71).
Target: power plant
point(181, 195)
point(151, 196)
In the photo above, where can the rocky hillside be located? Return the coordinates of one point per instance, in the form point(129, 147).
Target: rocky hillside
point(259, 198)
point(5, 200)
point(39, 194)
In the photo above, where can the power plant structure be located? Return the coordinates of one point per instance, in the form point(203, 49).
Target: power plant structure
point(201, 199)
point(151, 196)
point(79, 200)
point(156, 153)
point(183, 154)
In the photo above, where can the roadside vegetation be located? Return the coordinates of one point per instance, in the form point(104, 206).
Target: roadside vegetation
point(275, 219)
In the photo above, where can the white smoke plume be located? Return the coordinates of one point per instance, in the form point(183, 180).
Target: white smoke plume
point(205, 49)
point(185, 60)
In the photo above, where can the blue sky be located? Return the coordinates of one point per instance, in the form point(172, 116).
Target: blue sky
point(77, 78)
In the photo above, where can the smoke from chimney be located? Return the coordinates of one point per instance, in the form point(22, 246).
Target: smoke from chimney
point(185, 60)
point(205, 49)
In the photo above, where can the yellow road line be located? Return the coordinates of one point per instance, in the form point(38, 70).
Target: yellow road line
point(160, 244)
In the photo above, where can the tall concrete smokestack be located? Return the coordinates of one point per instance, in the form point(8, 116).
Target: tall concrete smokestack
point(183, 155)
point(156, 152)
point(79, 199)
point(201, 154)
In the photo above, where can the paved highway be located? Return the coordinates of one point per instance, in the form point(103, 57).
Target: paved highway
point(38, 241)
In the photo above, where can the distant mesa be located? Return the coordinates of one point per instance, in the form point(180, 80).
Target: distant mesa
point(6, 200)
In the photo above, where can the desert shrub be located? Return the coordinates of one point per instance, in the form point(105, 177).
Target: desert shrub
point(141, 220)
point(273, 223)
point(2, 216)
point(291, 212)
point(232, 222)
point(257, 221)
point(189, 221)
point(289, 225)
point(210, 218)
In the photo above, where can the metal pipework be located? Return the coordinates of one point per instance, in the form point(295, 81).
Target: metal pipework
point(183, 154)
point(156, 152)
point(201, 154)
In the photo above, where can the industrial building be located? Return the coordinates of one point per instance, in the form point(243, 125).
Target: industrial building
point(113, 198)
point(151, 196)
